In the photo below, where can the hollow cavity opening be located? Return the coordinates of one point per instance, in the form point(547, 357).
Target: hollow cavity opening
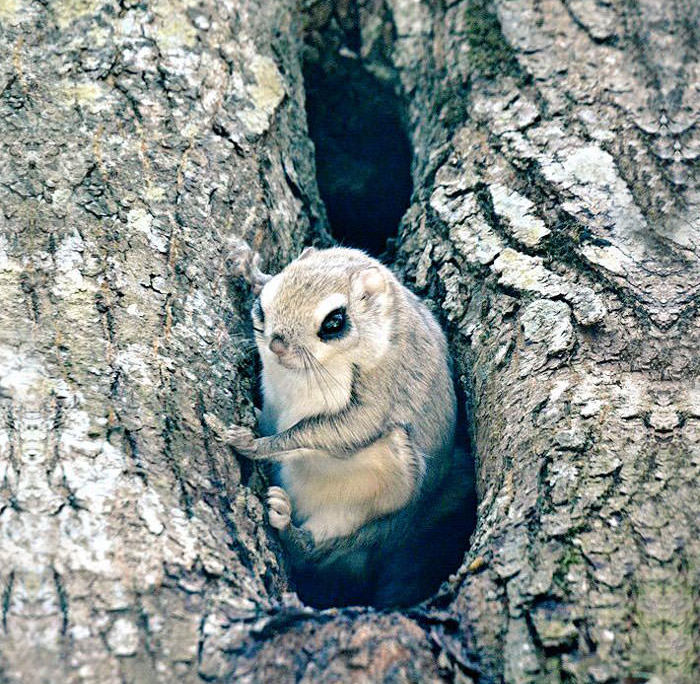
point(363, 166)
point(363, 156)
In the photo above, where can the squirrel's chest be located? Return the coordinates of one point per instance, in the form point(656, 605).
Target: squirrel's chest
point(290, 396)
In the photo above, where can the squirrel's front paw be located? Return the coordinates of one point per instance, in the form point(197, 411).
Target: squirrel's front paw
point(242, 439)
point(280, 508)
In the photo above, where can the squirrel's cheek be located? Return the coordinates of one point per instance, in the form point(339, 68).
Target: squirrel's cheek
point(325, 353)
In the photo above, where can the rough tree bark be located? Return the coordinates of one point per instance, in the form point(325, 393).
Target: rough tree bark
point(554, 223)
point(137, 142)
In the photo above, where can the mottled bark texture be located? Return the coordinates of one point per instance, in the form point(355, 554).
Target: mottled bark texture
point(138, 141)
point(557, 221)
point(554, 224)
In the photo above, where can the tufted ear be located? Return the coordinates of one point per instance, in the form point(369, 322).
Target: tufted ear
point(306, 251)
point(257, 285)
point(368, 282)
point(250, 270)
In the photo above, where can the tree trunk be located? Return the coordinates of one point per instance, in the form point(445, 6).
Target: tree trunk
point(554, 224)
point(557, 222)
point(136, 143)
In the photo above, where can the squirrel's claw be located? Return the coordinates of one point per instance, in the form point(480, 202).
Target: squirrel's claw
point(241, 439)
point(280, 508)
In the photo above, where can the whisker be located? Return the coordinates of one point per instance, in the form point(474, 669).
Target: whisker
point(243, 341)
point(327, 373)
point(324, 376)
point(306, 370)
point(320, 381)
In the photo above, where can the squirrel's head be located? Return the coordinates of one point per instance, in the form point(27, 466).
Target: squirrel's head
point(329, 308)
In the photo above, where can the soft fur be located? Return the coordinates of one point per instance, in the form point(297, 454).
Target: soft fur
point(362, 428)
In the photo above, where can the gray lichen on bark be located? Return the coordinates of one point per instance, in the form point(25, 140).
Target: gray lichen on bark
point(554, 225)
point(558, 225)
point(135, 140)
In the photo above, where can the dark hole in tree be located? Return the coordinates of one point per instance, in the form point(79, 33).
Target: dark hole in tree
point(363, 157)
point(363, 160)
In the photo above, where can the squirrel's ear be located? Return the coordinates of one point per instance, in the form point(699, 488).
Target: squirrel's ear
point(368, 282)
point(256, 286)
point(256, 277)
point(306, 251)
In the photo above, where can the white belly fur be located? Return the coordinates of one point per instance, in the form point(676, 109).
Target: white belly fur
point(334, 496)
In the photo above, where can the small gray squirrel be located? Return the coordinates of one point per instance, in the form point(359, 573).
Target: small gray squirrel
point(358, 417)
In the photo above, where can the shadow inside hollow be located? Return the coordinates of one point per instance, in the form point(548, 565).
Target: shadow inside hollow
point(363, 156)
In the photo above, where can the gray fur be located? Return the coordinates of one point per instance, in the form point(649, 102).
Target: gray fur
point(362, 429)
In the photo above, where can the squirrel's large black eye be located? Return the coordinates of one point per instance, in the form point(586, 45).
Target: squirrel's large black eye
point(334, 325)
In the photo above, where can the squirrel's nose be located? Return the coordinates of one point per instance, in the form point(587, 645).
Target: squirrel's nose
point(278, 345)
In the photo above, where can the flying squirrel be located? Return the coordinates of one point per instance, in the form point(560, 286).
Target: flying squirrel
point(358, 418)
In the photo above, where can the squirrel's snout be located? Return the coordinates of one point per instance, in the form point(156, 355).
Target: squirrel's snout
point(278, 345)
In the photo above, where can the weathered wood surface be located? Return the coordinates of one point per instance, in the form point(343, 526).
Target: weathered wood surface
point(558, 222)
point(136, 144)
point(554, 223)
